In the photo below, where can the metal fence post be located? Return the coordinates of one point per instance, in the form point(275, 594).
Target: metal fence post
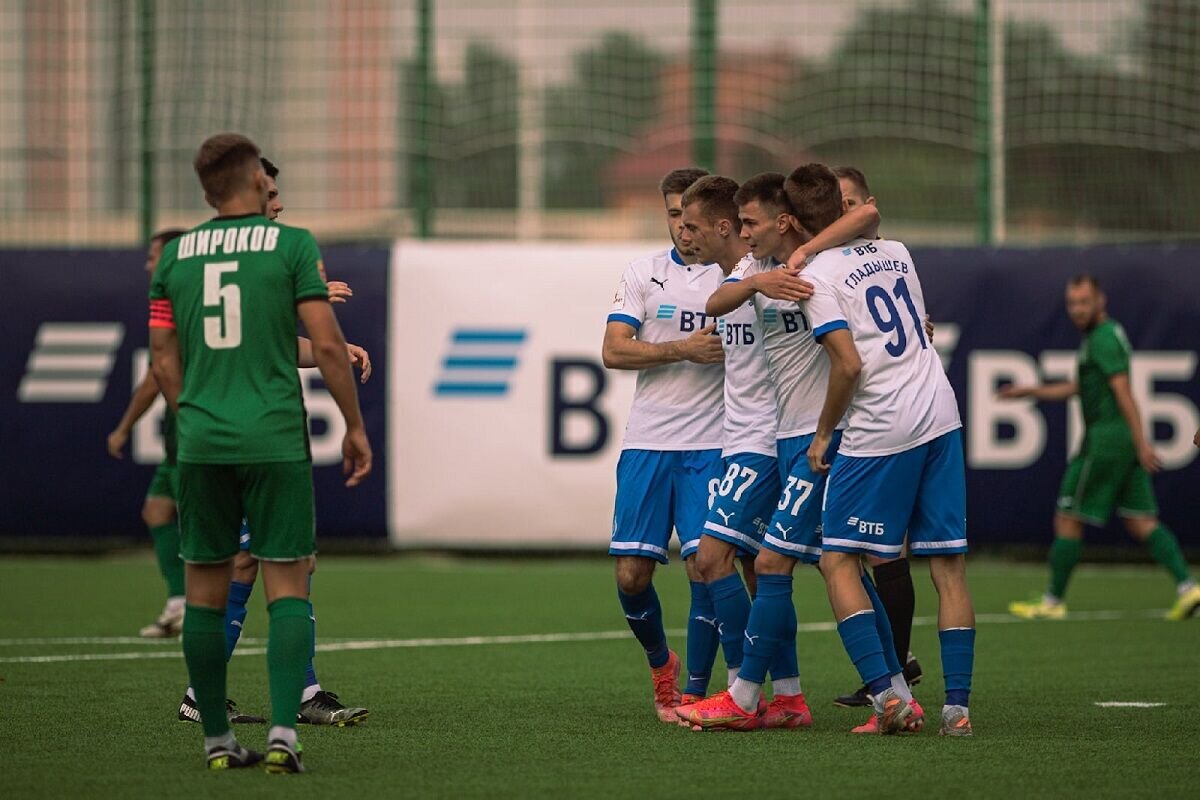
point(421, 160)
point(147, 201)
point(704, 84)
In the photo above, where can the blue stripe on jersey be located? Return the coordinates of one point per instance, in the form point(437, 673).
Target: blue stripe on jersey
point(733, 280)
point(665, 311)
point(628, 320)
point(837, 324)
point(770, 315)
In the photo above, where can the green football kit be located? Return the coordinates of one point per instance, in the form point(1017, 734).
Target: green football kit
point(1105, 475)
point(230, 288)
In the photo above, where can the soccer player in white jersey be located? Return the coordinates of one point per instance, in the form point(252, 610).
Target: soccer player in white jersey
point(741, 501)
point(900, 468)
point(893, 578)
point(672, 445)
point(797, 371)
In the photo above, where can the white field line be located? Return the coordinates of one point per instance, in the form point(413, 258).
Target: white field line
point(477, 641)
point(1129, 704)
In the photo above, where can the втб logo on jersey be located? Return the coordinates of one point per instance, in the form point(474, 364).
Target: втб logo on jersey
point(866, 527)
point(480, 363)
point(70, 362)
point(665, 311)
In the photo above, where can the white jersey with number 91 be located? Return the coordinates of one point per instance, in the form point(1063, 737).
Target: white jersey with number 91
point(903, 398)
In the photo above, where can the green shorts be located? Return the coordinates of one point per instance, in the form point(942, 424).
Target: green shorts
point(164, 482)
point(276, 499)
point(1100, 481)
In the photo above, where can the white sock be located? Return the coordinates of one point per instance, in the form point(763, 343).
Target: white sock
point(901, 687)
point(786, 686)
point(309, 692)
point(176, 603)
point(288, 735)
point(191, 694)
point(745, 694)
point(948, 708)
point(732, 675)
point(1051, 600)
point(225, 740)
point(1186, 586)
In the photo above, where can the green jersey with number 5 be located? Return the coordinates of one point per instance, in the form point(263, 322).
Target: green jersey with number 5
point(230, 288)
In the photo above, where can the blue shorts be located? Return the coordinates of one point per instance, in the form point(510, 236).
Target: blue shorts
point(795, 529)
point(657, 491)
point(871, 502)
point(244, 536)
point(741, 500)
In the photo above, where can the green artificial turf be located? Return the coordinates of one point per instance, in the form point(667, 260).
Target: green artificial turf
point(574, 718)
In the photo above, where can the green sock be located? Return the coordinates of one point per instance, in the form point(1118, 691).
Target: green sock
point(1064, 555)
point(166, 550)
point(204, 652)
point(1164, 548)
point(289, 645)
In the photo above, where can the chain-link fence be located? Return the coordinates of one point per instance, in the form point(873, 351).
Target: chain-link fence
point(1014, 121)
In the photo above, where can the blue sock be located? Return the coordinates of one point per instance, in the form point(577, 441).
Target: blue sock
point(702, 640)
point(310, 674)
point(884, 627)
point(958, 661)
point(861, 640)
point(235, 614)
point(643, 612)
point(732, 602)
point(771, 632)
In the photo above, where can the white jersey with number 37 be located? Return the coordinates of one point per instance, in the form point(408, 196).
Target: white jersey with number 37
point(903, 398)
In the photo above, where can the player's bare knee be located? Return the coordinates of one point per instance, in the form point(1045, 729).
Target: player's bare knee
point(285, 579)
point(1066, 527)
point(158, 511)
point(245, 567)
point(948, 572)
point(1140, 528)
point(634, 574)
point(768, 562)
point(714, 559)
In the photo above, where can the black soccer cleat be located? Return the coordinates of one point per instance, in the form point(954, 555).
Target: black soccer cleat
point(861, 698)
point(225, 758)
point(858, 699)
point(325, 709)
point(912, 670)
point(282, 759)
point(189, 713)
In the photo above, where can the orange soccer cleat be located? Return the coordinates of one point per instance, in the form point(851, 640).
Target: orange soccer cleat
point(914, 723)
point(666, 688)
point(720, 712)
point(787, 711)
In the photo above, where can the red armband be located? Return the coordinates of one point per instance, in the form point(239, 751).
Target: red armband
point(161, 314)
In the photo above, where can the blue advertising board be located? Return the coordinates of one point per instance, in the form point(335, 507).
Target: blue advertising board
point(75, 340)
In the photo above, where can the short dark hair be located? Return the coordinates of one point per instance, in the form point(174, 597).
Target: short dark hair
point(767, 189)
point(1079, 279)
point(167, 235)
point(855, 176)
point(815, 196)
point(715, 195)
point(677, 181)
point(224, 164)
point(269, 167)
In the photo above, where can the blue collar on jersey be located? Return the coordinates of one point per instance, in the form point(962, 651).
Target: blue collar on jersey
point(677, 258)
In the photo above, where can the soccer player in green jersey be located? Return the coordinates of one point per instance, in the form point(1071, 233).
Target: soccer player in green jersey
point(1111, 472)
point(225, 302)
point(158, 510)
